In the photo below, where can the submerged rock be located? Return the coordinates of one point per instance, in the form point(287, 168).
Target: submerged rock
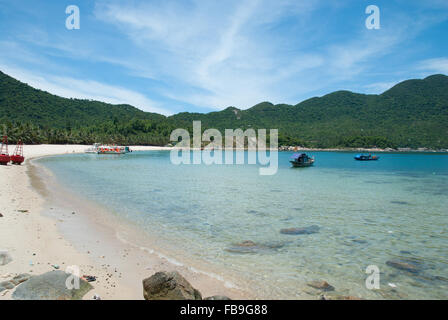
point(50, 286)
point(324, 297)
point(305, 230)
point(249, 246)
point(5, 258)
point(169, 286)
point(320, 285)
point(217, 298)
point(403, 265)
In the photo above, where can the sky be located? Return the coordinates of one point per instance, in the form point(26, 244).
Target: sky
point(202, 56)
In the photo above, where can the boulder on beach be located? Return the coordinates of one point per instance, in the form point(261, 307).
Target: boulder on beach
point(320, 285)
point(306, 230)
point(50, 286)
point(169, 286)
point(5, 258)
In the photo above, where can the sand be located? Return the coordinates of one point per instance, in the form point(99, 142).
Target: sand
point(60, 229)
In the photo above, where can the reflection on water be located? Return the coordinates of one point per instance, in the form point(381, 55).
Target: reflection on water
point(390, 213)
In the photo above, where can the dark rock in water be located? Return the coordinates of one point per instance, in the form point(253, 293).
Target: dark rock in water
point(324, 297)
point(405, 252)
point(169, 286)
point(217, 298)
point(320, 285)
point(359, 241)
point(295, 231)
point(50, 286)
point(5, 258)
point(403, 265)
point(400, 202)
point(440, 278)
point(249, 246)
point(246, 243)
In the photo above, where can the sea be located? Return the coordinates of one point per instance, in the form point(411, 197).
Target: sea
point(371, 229)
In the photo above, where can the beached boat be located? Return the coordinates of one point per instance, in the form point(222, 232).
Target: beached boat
point(300, 160)
point(101, 149)
point(363, 157)
point(113, 150)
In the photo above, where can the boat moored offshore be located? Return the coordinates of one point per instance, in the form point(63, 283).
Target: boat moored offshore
point(363, 157)
point(300, 160)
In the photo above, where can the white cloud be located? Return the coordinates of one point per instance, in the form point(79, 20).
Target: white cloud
point(436, 65)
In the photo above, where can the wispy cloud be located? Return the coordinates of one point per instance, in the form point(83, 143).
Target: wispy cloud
point(436, 65)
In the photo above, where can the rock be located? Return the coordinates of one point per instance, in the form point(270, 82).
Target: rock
point(323, 297)
point(217, 298)
point(6, 285)
point(20, 278)
point(402, 265)
point(249, 246)
point(50, 286)
point(320, 285)
point(169, 286)
point(1, 216)
point(306, 230)
point(5, 258)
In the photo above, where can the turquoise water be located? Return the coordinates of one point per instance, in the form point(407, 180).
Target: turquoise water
point(367, 213)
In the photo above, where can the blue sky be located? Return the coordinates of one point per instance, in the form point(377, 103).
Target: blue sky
point(174, 56)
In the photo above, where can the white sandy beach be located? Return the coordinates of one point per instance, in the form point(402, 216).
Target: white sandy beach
point(35, 239)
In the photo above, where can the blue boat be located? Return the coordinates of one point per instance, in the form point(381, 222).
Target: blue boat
point(363, 157)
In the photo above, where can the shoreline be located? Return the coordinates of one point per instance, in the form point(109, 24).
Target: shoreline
point(78, 232)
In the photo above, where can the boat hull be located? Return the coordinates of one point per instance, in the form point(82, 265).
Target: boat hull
point(301, 165)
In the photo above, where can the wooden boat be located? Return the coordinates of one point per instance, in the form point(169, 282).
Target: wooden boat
point(102, 149)
point(300, 160)
point(363, 157)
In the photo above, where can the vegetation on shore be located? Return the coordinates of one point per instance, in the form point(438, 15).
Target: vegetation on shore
point(413, 114)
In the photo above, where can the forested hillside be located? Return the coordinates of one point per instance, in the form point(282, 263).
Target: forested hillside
point(413, 113)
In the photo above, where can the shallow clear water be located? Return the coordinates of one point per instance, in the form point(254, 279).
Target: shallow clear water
point(367, 213)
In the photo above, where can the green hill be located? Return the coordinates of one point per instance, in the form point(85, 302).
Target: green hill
point(414, 113)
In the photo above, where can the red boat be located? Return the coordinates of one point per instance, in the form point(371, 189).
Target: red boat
point(4, 155)
point(17, 157)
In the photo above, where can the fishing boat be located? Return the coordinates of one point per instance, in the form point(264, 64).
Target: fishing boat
point(98, 148)
point(113, 150)
point(364, 157)
point(300, 160)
